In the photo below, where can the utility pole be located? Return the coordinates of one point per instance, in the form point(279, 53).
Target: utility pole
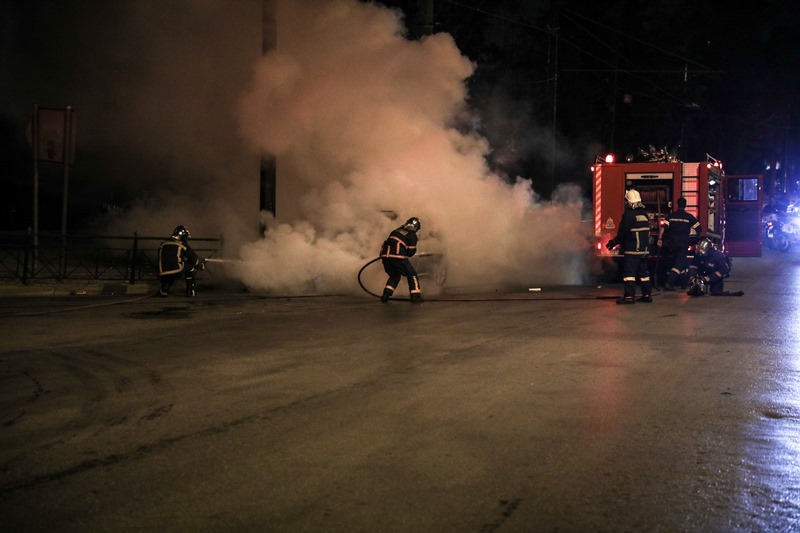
point(786, 187)
point(554, 37)
point(427, 17)
point(269, 166)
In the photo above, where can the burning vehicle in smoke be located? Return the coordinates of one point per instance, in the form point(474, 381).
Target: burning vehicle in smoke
point(431, 266)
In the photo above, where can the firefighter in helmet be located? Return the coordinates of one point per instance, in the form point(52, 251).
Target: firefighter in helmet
point(708, 270)
point(679, 226)
point(177, 260)
point(397, 248)
point(633, 236)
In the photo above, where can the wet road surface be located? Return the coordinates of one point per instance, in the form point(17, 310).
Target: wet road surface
point(235, 412)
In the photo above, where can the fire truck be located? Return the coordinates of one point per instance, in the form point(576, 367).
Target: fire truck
point(727, 207)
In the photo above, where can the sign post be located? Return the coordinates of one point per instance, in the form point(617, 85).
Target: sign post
point(52, 137)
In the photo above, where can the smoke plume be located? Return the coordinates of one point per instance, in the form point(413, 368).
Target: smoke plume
point(361, 122)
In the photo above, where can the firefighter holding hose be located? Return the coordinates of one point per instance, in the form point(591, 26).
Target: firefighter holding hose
point(177, 260)
point(397, 248)
point(633, 237)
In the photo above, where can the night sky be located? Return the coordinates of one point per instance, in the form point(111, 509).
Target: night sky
point(152, 82)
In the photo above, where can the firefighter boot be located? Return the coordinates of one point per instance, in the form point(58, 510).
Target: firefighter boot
point(645, 298)
point(190, 292)
point(626, 300)
point(386, 295)
point(416, 298)
point(164, 291)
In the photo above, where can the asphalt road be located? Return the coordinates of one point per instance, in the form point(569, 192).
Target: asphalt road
point(550, 411)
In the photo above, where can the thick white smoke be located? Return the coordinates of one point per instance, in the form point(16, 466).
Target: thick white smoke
point(360, 120)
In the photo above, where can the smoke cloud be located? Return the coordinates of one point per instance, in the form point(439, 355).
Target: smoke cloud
point(361, 121)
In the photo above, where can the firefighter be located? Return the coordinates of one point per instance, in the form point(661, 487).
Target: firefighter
point(177, 260)
point(633, 237)
point(708, 271)
point(397, 248)
point(679, 226)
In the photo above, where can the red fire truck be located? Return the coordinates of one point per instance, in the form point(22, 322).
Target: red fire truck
point(728, 207)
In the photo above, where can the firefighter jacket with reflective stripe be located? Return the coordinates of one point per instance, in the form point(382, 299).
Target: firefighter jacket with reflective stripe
point(400, 244)
point(633, 235)
point(679, 224)
point(714, 265)
point(174, 257)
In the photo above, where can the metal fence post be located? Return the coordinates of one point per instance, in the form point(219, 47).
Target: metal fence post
point(25, 258)
point(134, 255)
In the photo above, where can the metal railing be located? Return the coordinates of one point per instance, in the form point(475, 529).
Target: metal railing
point(25, 257)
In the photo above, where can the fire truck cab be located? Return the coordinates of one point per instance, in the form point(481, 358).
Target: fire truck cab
point(727, 207)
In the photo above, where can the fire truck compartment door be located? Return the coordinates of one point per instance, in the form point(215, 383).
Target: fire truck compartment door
point(743, 233)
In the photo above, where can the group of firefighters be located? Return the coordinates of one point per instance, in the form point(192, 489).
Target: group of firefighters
point(703, 275)
point(177, 260)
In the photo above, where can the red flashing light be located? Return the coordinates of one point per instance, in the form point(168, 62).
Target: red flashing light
point(609, 158)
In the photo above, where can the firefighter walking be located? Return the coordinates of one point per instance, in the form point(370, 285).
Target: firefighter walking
point(633, 236)
point(679, 226)
point(397, 248)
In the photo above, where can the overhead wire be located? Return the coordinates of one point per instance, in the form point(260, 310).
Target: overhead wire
point(667, 96)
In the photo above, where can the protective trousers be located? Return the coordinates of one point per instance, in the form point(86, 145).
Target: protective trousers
point(680, 265)
point(396, 269)
point(635, 266)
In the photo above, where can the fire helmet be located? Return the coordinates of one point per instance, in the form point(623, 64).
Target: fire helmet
point(412, 224)
point(180, 233)
point(703, 247)
point(697, 287)
point(632, 197)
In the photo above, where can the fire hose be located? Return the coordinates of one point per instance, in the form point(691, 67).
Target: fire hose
point(504, 299)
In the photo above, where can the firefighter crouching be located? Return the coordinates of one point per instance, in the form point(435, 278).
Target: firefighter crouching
point(397, 248)
point(177, 260)
point(708, 271)
point(633, 237)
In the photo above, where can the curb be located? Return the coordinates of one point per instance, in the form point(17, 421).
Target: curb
point(77, 289)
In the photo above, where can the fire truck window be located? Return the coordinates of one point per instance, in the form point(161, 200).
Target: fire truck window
point(743, 190)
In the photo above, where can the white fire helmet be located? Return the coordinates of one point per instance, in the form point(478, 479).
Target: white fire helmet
point(632, 197)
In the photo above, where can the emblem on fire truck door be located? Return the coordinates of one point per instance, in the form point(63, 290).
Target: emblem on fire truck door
point(610, 224)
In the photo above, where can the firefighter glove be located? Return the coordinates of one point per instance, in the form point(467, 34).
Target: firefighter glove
point(611, 244)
